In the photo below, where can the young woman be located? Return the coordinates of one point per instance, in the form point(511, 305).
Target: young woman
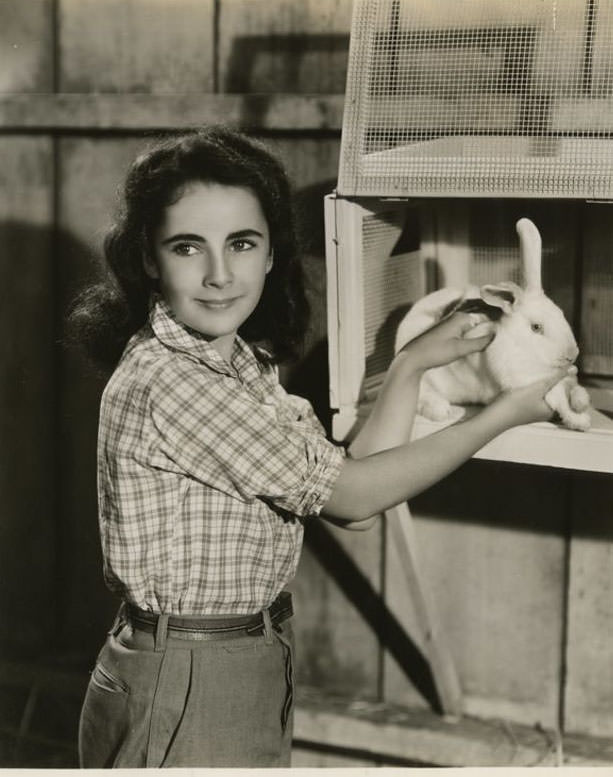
point(208, 469)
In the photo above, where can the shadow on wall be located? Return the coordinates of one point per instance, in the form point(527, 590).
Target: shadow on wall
point(310, 376)
point(279, 60)
point(263, 66)
point(391, 635)
point(52, 593)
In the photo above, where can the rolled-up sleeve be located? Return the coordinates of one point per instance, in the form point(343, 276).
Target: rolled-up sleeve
point(210, 427)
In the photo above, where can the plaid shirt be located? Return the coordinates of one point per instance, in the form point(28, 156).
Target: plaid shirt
point(205, 472)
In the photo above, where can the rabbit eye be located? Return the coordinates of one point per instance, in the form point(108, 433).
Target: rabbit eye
point(538, 328)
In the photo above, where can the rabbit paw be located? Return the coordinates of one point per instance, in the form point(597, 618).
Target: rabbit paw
point(437, 408)
point(566, 398)
point(579, 422)
point(579, 399)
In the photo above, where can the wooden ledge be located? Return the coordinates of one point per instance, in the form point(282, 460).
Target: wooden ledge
point(130, 112)
point(390, 733)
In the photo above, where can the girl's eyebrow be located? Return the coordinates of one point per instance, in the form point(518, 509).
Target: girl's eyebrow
point(245, 233)
point(184, 236)
point(198, 238)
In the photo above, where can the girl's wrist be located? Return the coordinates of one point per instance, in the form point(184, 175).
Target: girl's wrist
point(506, 413)
point(406, 362)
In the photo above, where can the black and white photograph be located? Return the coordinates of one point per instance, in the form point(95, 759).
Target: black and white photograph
point(306, 409)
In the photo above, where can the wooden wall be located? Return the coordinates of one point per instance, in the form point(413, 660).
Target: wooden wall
point(83, 83)
point(519, 561)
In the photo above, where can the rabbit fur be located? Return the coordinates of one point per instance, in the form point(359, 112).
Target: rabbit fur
point(532, 338)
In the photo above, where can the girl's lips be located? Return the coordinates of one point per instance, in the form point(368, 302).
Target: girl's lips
point(217, 304)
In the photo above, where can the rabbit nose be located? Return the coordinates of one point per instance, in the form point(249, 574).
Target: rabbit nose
point(572, 354)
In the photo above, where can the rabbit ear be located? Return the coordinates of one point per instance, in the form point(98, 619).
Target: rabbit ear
point(531, 250)
point(501, 295)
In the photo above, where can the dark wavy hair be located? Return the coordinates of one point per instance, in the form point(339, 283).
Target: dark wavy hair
point(106, 315)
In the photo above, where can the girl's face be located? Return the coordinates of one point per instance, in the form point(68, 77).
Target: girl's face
point(212, 254)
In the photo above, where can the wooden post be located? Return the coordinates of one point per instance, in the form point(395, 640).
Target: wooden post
point(402, 531)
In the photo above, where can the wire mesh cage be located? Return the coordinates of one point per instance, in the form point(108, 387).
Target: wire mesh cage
point(479, 98)
point(383, 255)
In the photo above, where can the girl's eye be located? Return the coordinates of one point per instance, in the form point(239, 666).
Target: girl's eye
point(538, 328)
point(184, 249)
point(240, 244)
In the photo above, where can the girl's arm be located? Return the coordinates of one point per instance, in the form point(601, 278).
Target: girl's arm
point(384, 468)
point(389, 424)
point(391, 420)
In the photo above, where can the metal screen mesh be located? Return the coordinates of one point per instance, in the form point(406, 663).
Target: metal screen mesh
point(597, 300)
point(392, 280)
point(479, 98)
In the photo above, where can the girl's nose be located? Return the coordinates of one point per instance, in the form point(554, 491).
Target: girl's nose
point(218, 271)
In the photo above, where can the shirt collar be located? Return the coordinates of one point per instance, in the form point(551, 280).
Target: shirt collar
point(180, 337)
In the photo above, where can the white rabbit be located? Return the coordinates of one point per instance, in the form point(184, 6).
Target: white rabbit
point(532, 339)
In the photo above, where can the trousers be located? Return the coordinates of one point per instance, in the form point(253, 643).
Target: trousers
point(158, 700)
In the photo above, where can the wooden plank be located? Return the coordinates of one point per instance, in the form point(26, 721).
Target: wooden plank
point(26, 46)
point(337, 605)
point(280, 110)
point(402, 534)
point(150, 46)
point(545, 444)
point(587, 751)
point(90, 172)
point(311, 163)
point(309, 756)
point(359, 733)
point(118, 112)
point(589, 661)
point(492, 547)
point(283, 46)
point(386, 734)
point(27, 413)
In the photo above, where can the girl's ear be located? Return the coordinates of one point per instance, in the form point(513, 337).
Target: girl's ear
point(269, 261)
point(150, 266)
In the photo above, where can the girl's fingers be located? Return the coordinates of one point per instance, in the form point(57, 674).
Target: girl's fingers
point(478, 343)
point(473, 325)
point(461, 323)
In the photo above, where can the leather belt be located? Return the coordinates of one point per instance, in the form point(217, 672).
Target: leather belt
point(211, 627)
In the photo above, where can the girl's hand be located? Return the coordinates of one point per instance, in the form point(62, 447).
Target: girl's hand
point(527, 404)
point(449, 340)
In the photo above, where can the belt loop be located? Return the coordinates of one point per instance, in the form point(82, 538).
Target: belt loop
point(267, 626)
point(161, 631)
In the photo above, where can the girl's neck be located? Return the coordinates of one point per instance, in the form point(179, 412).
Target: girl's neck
point(224, 346)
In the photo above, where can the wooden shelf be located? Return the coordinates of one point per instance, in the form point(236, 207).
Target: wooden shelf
point(546, 444)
